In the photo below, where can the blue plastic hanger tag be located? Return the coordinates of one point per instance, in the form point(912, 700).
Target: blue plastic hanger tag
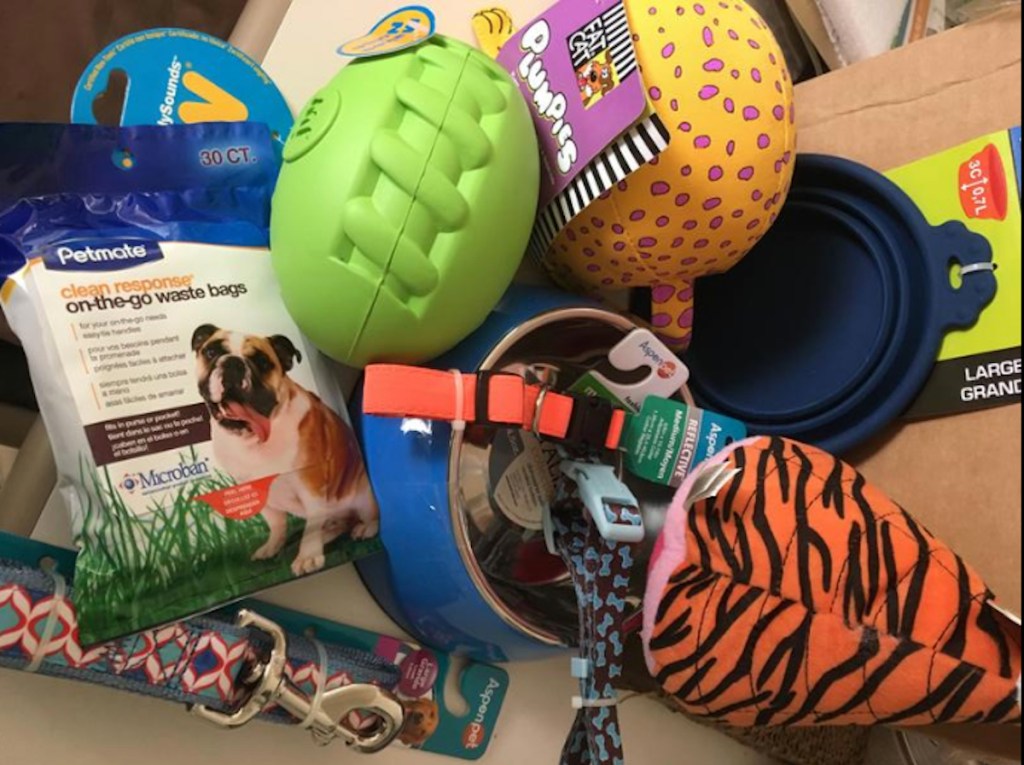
point(173, 76)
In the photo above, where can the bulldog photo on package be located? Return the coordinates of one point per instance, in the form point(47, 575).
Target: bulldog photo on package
point(263, 424)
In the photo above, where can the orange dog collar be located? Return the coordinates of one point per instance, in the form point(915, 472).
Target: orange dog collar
point(492, 398)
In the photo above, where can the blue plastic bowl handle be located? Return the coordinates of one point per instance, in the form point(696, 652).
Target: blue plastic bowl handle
point(958, 308)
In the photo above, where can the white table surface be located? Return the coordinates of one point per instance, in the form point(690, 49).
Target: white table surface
point(45, 720)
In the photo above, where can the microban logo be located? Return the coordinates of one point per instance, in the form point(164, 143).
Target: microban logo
point(214, 105)
point(155, 480)
point(105, 255)
point(475, 734)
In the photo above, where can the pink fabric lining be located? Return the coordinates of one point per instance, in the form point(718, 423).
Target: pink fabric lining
point(670, 549)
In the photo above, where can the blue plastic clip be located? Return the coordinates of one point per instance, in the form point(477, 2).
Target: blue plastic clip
point(599, 489)
point(580, 668)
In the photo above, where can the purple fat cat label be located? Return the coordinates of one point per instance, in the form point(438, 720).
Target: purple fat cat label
point(576, 66)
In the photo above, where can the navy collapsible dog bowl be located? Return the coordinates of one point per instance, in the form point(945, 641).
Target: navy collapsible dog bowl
point(828, 329)
point(462, 570)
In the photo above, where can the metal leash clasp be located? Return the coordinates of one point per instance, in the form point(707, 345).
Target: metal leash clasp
point(270, 686)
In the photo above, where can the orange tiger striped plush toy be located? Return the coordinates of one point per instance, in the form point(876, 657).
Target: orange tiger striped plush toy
point(798, 594)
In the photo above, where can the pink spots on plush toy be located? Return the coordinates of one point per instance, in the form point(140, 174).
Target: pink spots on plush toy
point(570, 234)
point(607, 281)
point(699, 9)
point(661, 320)
point(686, 127)
point(726, 244)
point(689, 261)
point(701, 244)
point(757, 196)
point(755, 75)
point(655, 94)
point(584, 230)
point(685, 294)
point(730, 148)
point(734, 35)
point(716, 222)
point(713, 203)
point(686, 171)
point(663, 221)
point(746, 173)
point(668, 51)
point(685, 320)
point(682, 200)
point(702, 142)
point(653, 11)
point(716, 173)
point(729, 105)
point(622, 186)
point(589, 252)
point(690, 225)
point(753, 224)
point(779, 166)
point(754, 44)
point(618, 229)
point(778, 86)
point(674, 104)
point(751, 113)
point(708, 92)
point(662, 259)
point(678, 242)
point(764, 141)
point(773, 59)
point(637, 215)
point(779, 112)
point(593, 268)
point(619, 246)
point(738, 213)
point(709, 37)
point(660, 188)
point(680, 10)
point(714, 65)
point(598, 223)
point(678, 72)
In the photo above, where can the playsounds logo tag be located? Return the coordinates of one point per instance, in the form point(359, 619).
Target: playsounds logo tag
point(214, 104)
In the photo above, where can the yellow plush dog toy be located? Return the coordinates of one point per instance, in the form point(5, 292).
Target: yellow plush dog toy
point(718, 80)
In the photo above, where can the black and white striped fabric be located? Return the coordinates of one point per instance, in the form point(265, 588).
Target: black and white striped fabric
point(630, 151)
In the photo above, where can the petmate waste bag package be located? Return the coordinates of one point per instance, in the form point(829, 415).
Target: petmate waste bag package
point(202, 444)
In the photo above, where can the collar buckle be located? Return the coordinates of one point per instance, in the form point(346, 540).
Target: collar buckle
point(612, 506)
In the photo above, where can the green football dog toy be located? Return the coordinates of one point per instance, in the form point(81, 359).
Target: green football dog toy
point(405, 203)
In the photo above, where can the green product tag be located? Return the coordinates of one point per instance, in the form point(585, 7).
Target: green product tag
point(668, 438)
point(589, 385)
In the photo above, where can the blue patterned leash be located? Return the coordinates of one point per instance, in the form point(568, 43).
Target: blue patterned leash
point(596, 547)
point(228, 673)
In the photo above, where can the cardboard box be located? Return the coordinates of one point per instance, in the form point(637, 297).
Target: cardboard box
point(960, 476)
